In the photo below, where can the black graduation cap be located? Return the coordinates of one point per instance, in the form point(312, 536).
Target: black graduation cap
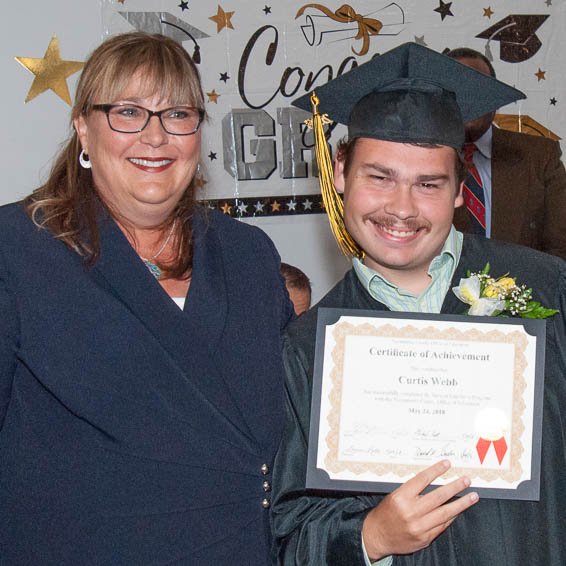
point(517, 35)
point(411, 94)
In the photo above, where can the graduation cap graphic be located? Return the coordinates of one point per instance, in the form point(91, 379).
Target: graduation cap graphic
point(166, 24)
point(517, 36)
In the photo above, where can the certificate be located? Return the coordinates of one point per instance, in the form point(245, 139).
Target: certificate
point(394, 393)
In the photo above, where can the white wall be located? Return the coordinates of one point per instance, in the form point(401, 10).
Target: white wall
point(32, 132)
point(307, 242)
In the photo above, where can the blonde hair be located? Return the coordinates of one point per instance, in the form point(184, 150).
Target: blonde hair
point(68, 203)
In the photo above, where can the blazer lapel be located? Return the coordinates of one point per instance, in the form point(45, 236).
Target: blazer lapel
point(191, 338)
point(130, 281)
point(508, 198)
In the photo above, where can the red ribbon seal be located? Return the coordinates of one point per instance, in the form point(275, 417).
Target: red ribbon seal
point(499, 445)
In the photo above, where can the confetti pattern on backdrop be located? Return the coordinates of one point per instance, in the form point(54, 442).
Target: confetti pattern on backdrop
point(255, 58)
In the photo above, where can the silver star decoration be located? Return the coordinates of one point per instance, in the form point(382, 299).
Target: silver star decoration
point(420, 40)
point(292, 205)
point(307, 204)
point(258, 206)
point(242, 208)
point(163, 23)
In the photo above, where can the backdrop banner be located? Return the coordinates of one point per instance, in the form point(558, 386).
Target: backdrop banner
point(256, 57)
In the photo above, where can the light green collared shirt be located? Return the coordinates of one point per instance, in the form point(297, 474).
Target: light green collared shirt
point(441, 271)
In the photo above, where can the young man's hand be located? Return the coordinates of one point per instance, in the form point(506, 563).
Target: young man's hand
point(406, 521)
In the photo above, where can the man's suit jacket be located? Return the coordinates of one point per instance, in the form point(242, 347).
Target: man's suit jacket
point(132, 432)
point(324, 528)
point(528, 193)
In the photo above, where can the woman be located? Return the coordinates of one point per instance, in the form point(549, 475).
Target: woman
point(134, 430)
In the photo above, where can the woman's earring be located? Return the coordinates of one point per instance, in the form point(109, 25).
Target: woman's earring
point(84, 160)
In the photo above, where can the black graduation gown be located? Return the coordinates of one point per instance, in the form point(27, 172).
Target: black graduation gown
point(325, 528)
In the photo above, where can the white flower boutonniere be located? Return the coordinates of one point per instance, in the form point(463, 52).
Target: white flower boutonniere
point(498, 297)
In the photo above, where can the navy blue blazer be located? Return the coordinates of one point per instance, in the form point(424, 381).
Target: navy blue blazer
point(132, 432)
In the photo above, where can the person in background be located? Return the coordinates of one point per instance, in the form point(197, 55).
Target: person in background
point(401, 173)
point(299, 287)
point(140, 401)
point(516, 191)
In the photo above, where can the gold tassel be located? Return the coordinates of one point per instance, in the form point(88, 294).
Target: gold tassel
point(330, 197)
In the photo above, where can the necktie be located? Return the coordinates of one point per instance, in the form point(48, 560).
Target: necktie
point(473, 192)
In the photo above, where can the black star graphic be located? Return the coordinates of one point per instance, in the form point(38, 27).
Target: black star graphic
point(184, 5)
point(212, 156)
point(553, 101)
point(444, 9)
point(267, 10)
point(224, 77)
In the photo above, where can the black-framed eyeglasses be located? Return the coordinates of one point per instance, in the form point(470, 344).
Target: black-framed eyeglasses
point(131, 119)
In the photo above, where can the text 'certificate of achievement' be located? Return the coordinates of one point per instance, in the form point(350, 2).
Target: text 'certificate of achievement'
point(394, 393)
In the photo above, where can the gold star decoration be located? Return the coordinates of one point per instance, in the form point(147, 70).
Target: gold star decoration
point(275, 206)
point(226, 209)
point(540, 75)
point(222, 19)
point(488, 12)
point(213, 96)
point(51, 72)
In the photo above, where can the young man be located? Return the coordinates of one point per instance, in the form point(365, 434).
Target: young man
point(401, 175)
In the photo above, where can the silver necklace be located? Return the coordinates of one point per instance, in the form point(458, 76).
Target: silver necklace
point(154, 269)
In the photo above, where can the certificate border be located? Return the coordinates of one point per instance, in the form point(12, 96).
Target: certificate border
point(317, 478)
point(344, 329)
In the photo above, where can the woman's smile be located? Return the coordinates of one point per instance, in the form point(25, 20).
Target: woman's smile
point(151, 164)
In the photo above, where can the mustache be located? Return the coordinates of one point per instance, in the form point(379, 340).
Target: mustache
point(392, 223)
